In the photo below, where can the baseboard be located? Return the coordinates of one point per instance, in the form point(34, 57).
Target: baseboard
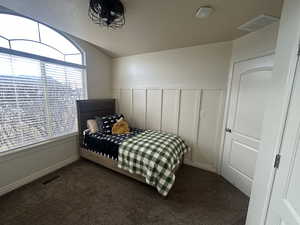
point(203, 166)
point(36, 175)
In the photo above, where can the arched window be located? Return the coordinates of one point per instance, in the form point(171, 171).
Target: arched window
point(22, 34)
point(41, 77)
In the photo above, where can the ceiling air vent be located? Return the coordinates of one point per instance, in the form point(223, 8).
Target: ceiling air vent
point(258, 23)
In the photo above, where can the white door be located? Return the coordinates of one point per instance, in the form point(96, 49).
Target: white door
point(250, 84)
point(285, 200)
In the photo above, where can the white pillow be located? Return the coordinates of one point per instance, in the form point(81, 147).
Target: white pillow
point(92, 126)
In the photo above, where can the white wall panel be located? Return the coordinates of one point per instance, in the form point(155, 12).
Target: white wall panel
point(194, 114)
point(170, 110)
point(125, 103)
point(189, 118)
point(139, 108)
point(116, 95)
point(153, 115)
point(189, 70)
point(209, 128)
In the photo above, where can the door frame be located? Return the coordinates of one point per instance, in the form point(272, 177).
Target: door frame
point(287, 105)
point(227, 105)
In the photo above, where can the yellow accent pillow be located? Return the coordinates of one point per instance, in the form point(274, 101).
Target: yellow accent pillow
point(120, 127)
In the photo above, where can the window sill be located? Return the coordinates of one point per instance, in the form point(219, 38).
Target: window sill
point(31, 146)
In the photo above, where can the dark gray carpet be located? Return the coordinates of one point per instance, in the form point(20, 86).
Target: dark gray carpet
point(88, 194)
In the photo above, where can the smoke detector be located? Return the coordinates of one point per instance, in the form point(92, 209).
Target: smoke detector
point(204, 12)
point(258, 23)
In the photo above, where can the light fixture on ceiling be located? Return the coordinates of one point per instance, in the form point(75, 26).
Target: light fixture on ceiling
point(107, 13)
point(204, 12)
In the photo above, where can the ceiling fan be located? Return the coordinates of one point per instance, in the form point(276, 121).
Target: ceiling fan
point(107, 13)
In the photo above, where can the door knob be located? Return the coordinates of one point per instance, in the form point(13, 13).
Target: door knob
point(228, 130)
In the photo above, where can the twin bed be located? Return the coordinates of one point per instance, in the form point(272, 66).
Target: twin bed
point(149, 156)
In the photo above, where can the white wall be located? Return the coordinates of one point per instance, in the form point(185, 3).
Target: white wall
point(19, 168)
point(24, 166)
point(180, 91)
point(204, 66)
point(99, 69)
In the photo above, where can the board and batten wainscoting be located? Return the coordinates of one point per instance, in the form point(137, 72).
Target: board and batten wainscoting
point(195, 115)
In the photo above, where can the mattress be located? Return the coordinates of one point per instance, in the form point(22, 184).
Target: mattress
point(107, 144)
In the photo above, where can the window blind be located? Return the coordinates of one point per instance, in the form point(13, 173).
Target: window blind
point(37, 100)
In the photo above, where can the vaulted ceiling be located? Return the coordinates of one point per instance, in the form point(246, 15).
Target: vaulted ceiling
point(150, 25)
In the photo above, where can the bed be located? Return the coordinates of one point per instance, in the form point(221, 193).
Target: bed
point(148, 156)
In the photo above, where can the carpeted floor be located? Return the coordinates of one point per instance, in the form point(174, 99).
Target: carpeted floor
point(88, 194)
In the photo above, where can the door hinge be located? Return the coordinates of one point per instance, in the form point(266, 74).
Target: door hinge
point(277, 161)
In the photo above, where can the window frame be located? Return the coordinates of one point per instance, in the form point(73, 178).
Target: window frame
point(45, 59)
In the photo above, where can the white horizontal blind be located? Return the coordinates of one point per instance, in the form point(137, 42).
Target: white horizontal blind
point(37, 100)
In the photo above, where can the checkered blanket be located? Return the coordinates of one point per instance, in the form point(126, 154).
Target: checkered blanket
point(154, 155)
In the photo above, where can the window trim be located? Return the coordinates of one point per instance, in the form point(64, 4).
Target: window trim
point(45, 59)
point(41, 58)
point(53, 139)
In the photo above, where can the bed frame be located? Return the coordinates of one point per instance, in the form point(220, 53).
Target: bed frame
point(88, 109)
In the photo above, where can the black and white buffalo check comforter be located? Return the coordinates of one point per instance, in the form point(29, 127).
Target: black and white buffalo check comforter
point(154, 155)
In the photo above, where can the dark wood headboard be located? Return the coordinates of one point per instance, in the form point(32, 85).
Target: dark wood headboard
point(88, 109)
